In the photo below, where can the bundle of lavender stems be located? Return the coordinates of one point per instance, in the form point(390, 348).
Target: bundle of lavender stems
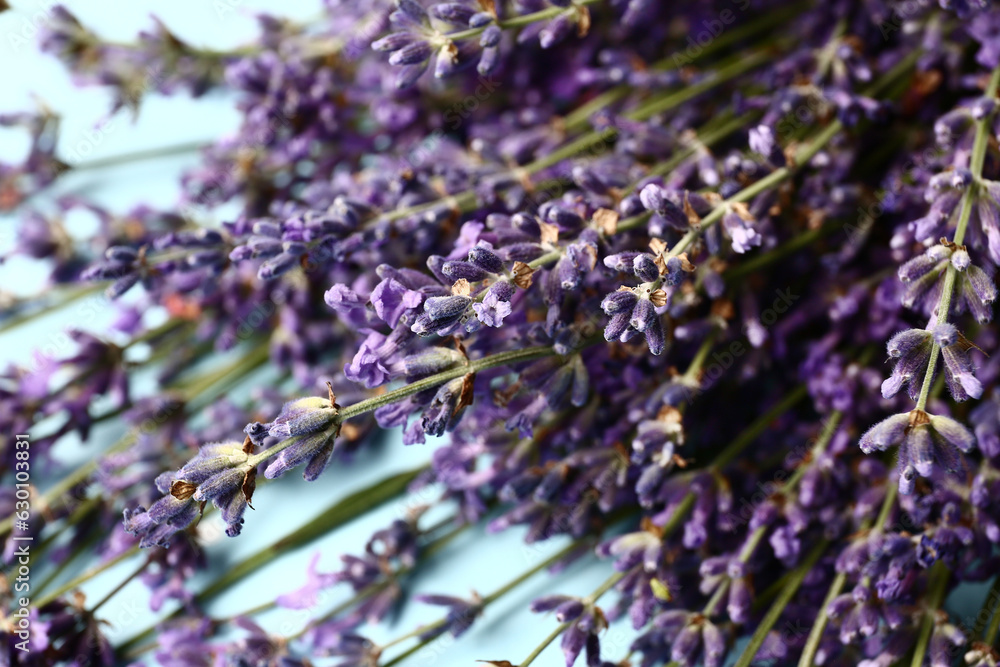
point(702, 289)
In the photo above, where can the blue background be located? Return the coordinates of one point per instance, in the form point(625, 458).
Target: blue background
point(474, 561)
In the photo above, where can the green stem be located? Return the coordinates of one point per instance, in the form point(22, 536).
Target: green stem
point(645, 111)
point(741, 65)
point(137, 156)
point(85, 577)
point(677, 518)
point(170, 325)
point(203, 392)
point(66, 298)
point(521, 21)
point(752, 543)
point(829, 428)
point(581, 115)
point(819, 625)
point(344, 510)
point(427, 551)
point(694, 368)
point(84, 548)
point(514, 583)
point(978, 157)
point(375, 402)
point(706, 137)
point(545, 644)
point(79, 513)
point(991, 611)
point(466, 200)
point(784, 597)
point(823, 617)
point(891, 491)
point(114, 591)
point(78, 476)
point(608, 584)
point(937, 584)
point(709, 609)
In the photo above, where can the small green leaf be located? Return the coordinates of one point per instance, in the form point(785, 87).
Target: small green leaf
point(660, 590)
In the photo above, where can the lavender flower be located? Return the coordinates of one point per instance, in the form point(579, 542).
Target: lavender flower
point(926, 442)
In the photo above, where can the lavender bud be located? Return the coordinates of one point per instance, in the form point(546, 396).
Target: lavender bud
point(653, 197)
point(981, 284)
point(211, 460)
point(954, 432)
point(444, 410)
point(642, 315)
point(619, 302)
point(921, 450)
point(430, 361)
point(446, 308)
point(645, 268)
point(264, 247)
point(410, 12)
point(482, 255)
point(548, 602)
point(563, 217)
point(277, 266)
point(122, 254)
point(885, 433)
point(411, 54)
point(945, 334)
point(461, 270)
point(622, 261)
point(489, 60)
point(982, 108)
point(686, 644)
point(960, 260)
point(305, 415)
point(447, 61)
point(555, 31)
point(569, 611)
point(961, 179)
point(293, 456)
point(122, 285)
point(222, 484)
point(480, 19)
point(495, 306)
point(453, 12)
point(319, 461)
